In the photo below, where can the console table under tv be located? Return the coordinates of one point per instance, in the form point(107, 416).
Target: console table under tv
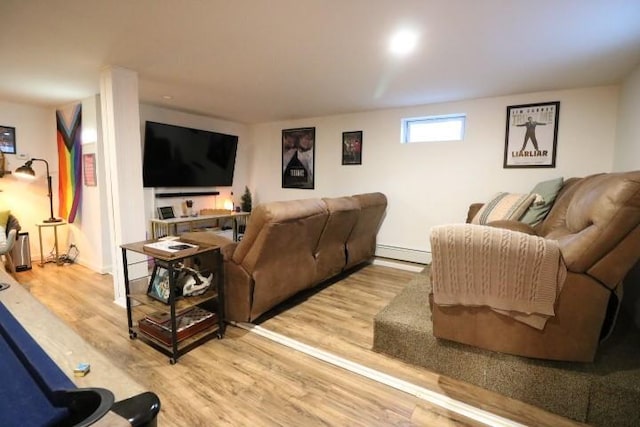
point(165, 227)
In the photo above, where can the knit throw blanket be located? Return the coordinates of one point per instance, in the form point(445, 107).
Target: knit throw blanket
point(513, 273)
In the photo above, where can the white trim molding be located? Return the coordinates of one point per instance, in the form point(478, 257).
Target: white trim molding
point(422, 393)
point(403, 254)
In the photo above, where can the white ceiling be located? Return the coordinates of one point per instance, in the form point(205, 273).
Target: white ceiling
point(257, 60)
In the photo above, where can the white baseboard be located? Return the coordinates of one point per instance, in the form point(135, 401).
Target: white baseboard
point(403, 254)
point(400, 265)
point(104, 269)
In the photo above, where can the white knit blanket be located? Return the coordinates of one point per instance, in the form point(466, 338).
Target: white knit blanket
point(513, 273)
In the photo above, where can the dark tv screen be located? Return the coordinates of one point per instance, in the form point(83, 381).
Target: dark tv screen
point(176, 156)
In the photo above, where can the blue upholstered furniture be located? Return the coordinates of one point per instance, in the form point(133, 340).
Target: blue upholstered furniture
point(34, 391)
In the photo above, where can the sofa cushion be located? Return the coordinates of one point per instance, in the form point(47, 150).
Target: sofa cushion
point(547, 192)
point(504, 206)
point(361, 244)
point(331, 256)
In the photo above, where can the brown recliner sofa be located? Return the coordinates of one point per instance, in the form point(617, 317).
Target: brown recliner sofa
point(596, 221)
point(290, 246)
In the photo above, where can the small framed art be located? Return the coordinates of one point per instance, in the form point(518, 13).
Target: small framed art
point(89, 169)
point(8, 139)
point(166, 212)
point(159, 284)
point(531, 135)
point(352, 148)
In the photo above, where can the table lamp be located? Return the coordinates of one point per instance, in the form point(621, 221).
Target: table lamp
point(27, 171)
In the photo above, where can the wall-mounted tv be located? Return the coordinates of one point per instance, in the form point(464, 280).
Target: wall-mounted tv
point(176, 156)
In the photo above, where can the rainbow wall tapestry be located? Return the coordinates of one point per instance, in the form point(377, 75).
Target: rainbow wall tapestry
point(69, 122)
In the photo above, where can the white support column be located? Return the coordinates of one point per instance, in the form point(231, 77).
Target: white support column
point(123, 161)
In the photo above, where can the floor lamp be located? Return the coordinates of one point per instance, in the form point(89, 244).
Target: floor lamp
point(27, 171)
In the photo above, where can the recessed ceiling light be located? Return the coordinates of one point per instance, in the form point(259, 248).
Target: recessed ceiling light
point(167, 97)
point(403, 42)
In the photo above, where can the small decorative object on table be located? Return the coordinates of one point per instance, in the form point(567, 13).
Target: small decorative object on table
point(159, 285)
point(166, 212)
point(189, 210)
point(245, 200)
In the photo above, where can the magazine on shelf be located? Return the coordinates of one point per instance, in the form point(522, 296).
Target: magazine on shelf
point(184, 319)
point(170, 248)
point(188, 323)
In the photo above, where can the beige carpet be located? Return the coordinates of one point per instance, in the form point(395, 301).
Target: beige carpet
point(605, 393)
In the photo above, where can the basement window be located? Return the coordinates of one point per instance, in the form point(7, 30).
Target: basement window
point(448, 127)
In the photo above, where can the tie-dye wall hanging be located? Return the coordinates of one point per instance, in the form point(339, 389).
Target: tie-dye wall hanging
point(69, 122)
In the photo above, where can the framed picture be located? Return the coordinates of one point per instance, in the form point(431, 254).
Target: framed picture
point(352, 148)
point(166, 212)
point(159, 284)
point(89, 169)
point(298, 157)
point(532, 135)
point(8, 139)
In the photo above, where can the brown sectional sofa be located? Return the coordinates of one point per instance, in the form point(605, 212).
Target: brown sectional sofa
point(290, 246)
point(596, 221)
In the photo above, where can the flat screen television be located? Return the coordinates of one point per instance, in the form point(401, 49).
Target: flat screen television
point(176, 156)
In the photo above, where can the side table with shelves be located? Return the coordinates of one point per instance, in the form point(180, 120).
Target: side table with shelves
point(170, 337)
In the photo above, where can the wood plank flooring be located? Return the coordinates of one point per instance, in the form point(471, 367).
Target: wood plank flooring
point(247, 380)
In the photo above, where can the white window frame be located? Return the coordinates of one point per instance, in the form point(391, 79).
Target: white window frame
point(407, 123)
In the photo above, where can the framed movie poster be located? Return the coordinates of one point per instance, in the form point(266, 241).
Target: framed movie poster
point(298, 150)
point(8, 139)
point(352, 148)
point(532, 135)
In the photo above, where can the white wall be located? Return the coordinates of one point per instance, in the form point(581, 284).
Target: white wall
point(427, 184)
point(90, 231)
point(627, 155)
point(243, 159)
point(430, 184)
point(35, 137)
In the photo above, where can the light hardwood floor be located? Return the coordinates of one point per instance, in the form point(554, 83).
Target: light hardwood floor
point(247, 380)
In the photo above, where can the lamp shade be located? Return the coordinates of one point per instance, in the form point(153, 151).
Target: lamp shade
point(26, 170)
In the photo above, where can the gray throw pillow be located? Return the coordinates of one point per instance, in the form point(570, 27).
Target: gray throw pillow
point(547, 190)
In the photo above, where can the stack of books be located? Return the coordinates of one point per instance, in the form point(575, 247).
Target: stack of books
point(188, 323)
point(170, 248)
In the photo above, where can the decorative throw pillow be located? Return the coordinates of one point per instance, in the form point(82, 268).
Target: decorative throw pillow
point(510, 206)
point(547, 192)
point(4, 217)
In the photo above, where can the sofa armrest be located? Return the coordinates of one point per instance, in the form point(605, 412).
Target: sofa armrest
point(227, 246)
point(228, 250)
point(512, 225)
